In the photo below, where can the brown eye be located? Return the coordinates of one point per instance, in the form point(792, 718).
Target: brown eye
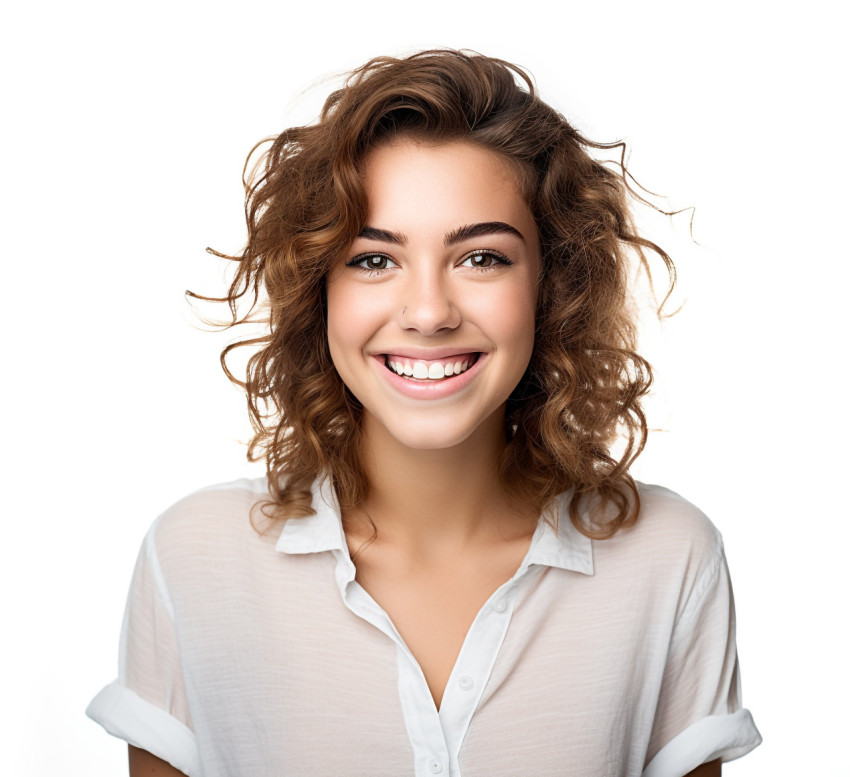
point(372, 262)
point(485, 260)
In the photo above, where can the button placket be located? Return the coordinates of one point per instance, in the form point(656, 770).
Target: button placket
point(474, 665)
point(421, 717)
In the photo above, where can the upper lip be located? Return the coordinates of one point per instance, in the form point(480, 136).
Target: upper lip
point(427, 354)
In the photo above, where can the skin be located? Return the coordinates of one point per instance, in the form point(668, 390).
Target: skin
point(143, 764)
point(447, 536)
point(430, 294)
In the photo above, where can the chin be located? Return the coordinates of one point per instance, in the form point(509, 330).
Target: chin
point(432, 432)
point(429, 438)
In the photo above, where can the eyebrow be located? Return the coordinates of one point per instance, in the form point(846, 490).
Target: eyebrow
point(480, 230)
point(384, 235)
point(458, 235)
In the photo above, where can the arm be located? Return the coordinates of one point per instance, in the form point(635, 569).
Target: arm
point(143, 764)
point(711, 769)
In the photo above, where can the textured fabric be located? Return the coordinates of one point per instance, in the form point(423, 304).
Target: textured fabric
point(259, 654)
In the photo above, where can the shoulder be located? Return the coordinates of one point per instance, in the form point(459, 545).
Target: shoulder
point(669, 518)
point(212, 517)
point(671, 539)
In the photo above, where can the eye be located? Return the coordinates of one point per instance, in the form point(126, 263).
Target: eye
point(371, 262)
point(485, 260)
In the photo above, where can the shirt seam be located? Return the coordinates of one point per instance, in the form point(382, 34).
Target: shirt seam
point(701, 589)
point(156, 570)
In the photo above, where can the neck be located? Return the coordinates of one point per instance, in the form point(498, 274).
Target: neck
point(434, 499)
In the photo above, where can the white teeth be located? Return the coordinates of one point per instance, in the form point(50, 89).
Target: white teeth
point(433, 371)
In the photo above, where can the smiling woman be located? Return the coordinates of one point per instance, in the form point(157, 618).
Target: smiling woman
point(454, 573)
point(455, 285)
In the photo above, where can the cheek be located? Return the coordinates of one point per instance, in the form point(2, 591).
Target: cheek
point(339, 336)
point(512, 316)
point(352, 320)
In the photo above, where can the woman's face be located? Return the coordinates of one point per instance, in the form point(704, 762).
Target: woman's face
point(431, 312)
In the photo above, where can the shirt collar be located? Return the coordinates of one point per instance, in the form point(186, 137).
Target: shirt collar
point(564, 548)
point(318, 532)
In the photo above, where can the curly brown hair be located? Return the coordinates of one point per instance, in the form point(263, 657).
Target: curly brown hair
point(305, 205)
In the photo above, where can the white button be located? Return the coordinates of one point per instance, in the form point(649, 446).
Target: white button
point(501, 606)
point(465, 682)
point(434, 766)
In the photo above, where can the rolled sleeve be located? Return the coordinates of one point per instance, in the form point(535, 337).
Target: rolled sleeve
point(147, 705)
point(699, 717)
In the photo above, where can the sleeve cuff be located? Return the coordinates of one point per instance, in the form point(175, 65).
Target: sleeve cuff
point(139, 723)
point(717, 736)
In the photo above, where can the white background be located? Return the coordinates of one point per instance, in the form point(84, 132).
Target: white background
point(124, 134)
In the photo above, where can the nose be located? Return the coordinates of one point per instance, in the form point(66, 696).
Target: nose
point(428, 305)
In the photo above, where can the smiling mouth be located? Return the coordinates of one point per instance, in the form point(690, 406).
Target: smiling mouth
point(440, 369)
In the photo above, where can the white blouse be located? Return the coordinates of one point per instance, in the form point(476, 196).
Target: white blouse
point(247, 654)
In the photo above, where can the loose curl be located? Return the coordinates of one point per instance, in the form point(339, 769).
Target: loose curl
point(305, 204)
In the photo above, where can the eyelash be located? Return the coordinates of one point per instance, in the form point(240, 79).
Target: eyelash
point(499, 260)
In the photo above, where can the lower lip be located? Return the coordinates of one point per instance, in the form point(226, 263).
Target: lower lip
point(430, 389)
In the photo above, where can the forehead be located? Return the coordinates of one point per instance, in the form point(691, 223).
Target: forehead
point(416, 181)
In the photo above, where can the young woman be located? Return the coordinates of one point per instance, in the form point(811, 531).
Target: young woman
point(447, 571)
